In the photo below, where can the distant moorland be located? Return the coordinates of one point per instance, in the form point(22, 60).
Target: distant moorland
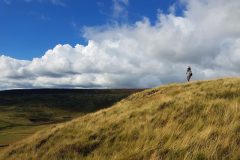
point(23, 112)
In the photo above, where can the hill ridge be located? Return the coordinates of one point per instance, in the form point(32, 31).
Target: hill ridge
point(198, 120)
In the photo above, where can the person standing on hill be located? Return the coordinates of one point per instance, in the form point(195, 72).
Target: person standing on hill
point(189, 73)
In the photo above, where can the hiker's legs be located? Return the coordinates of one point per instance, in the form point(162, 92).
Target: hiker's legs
point(188, 78)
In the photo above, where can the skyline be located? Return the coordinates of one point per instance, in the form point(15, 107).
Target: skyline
point(117, 43)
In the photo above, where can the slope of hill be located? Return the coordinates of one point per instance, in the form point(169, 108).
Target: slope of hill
point(199, 120)
point(23, 112)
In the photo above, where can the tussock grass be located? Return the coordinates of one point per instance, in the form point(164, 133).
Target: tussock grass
point(23, 112)
point(199, 120)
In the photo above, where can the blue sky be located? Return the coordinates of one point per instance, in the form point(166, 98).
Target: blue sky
point(116, 43)
point(28, 28)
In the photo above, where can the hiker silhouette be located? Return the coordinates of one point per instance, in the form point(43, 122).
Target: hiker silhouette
point(189, 73)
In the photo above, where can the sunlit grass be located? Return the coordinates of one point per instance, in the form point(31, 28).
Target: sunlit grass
point(198, 120)
point(23, 112)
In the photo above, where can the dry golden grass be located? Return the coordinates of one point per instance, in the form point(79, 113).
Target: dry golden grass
point(198, 120)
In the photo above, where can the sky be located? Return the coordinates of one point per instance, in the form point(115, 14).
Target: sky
point(30, 27)
point(116, 43)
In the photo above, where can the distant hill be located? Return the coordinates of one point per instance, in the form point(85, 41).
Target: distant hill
point(197, 120)
point(71, 99)
point(23, 112)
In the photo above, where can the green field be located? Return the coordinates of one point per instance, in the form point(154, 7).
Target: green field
point(23, 112)
point(198, 120)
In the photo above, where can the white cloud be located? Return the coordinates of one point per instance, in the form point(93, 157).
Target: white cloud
point(207, 37)
point(58, 2)
point(120, 9)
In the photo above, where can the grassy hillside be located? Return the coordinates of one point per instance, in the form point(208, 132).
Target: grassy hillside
point(23, 112)
point(199, 120)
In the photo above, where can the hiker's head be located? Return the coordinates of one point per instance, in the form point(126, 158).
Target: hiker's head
point(189, 68)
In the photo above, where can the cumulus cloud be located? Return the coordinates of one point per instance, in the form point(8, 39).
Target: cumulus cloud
point(207, 37)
